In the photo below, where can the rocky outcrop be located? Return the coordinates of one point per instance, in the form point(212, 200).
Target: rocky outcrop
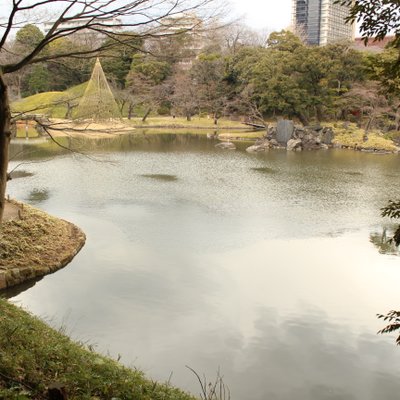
point(294, 144)
point(294, 138)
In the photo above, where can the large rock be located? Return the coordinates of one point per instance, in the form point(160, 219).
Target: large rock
point(284, 131)
point(260, 145)
point(294, 145)
point(327, 136)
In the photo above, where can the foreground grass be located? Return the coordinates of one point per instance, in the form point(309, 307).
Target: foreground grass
point(33, 356)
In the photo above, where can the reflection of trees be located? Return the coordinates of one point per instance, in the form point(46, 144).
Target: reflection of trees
point(38, 195)
point(381, 240)
point(14, 291)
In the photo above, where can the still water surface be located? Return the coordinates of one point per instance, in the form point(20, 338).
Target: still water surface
point(262, 266)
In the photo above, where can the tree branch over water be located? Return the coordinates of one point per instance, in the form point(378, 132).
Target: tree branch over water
point(108, 22)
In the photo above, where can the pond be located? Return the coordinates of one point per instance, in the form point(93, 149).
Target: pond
point(267, 267)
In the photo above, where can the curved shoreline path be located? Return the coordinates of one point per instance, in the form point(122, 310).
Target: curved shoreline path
point(34, 244)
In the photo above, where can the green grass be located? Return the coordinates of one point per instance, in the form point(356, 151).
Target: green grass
point(352, 136)
point(41, 103)
point(48, 103)
point(180, 122)
point(32, 132)
point(33, 356)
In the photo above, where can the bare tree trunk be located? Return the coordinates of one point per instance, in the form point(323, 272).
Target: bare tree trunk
point(319, 113)
point(121, 106)
point(215, 119)
point(303, 119)
point(397, 118)
point(188, 117)
point(130, 111)
point(70, 107)
point(369, 123)
point(5, 137)
point(146, 115)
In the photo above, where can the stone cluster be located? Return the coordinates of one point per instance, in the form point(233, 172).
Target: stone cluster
point(293, 138)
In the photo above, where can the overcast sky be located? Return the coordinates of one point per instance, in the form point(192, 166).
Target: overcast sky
point(264, 14)
point(258, 14)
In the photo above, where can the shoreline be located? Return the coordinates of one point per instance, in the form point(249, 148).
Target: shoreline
point(34, 243)
point(349, 137)
point(40, 362)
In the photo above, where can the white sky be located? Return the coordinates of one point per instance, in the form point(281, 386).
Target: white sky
point(267, 15)
point(264, 14)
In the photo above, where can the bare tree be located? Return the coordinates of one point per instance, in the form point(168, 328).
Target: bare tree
point(118, 20)
point(239, 35)
point(367, 99)
point(185, 97)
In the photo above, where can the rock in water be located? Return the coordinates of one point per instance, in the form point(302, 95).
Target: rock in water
point(294, 144)
point(260, 145)
point(284, 131)
point(226, 146)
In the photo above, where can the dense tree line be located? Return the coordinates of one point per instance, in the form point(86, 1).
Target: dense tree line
point(228, 71)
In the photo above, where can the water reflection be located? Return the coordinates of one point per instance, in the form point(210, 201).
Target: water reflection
point(16, 290)
point(37, 196)
point(308, 356)
point(161, 177)
point(382, 241)
point(20, 174)
point(354, 173)
point(269, 276)
point(265, 170)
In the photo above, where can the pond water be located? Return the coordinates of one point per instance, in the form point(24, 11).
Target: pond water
point(267, 267)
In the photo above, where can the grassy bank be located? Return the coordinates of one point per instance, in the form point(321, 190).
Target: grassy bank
point(34, 356)
point(35, 244)
point(178, 123)
point(353, 137)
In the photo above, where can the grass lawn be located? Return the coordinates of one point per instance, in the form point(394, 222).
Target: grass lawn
point(353, 137)
point(51, 104)
point(180, 122)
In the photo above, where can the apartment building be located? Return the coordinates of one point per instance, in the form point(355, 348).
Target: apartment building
point(321, 21)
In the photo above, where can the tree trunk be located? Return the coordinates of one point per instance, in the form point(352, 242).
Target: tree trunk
point(397, 118)
point(188, 117)
point(70, 107)
point(130, 111)
point(319, 113)
point(303, 119)
point(19, 84)
point(5, 137)
point(369, 123)
point(215, 119)
point(146, 115)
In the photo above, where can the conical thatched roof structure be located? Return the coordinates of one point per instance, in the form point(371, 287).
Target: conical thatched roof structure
point(98, 101)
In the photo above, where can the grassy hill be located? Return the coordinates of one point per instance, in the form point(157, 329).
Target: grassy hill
point(52, 104)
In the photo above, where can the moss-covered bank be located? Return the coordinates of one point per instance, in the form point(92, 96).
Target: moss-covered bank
point(35, 244)
point(33, 357)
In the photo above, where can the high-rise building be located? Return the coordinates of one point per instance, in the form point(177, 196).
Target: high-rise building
point(321, 21)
